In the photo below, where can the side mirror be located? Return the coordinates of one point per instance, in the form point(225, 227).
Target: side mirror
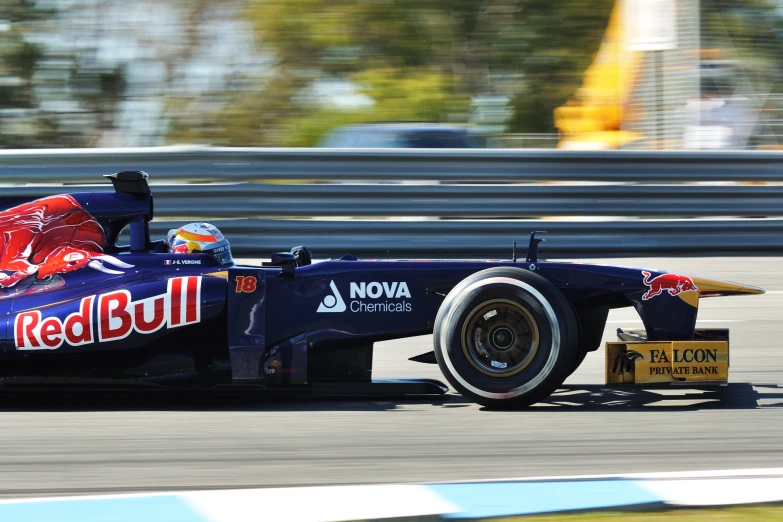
point(285, 260)
point(303, 256)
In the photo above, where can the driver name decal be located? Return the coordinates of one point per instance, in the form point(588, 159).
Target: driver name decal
point(112, 316)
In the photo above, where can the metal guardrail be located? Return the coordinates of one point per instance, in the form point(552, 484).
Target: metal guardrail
point(492, 239)
point(485, 199)
point(258, 234)
point(209, 201)
point(199, 164)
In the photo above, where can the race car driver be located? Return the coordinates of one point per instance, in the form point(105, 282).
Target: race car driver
point(202, 238)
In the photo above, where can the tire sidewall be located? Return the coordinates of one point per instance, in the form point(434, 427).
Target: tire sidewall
point(556, 325)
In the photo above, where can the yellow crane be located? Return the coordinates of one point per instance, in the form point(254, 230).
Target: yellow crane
point(592, 118)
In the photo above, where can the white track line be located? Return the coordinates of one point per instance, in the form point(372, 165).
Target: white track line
point(664, 475)
point(637, 321)
point(716, 492)
point(720, 473)
point(331, 503)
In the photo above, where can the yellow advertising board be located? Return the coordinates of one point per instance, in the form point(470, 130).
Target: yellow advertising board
point(648, 362)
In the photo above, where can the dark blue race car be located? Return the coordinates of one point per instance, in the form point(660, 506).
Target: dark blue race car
point(177, 312)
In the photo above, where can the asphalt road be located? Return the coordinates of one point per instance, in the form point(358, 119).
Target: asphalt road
point(48, 447)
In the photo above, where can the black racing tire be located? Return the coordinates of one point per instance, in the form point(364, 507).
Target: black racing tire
point(517, 317)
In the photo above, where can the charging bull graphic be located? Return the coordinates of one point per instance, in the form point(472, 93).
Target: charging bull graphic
point(48, 236)
point(672, 283)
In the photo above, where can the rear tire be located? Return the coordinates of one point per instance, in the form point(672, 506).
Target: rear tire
point(506, 337)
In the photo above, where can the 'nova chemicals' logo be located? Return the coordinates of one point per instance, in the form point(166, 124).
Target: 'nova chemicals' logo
point(333, 302)
point(374, 296)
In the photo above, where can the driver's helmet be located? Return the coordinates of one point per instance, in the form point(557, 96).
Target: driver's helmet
point(204, 238)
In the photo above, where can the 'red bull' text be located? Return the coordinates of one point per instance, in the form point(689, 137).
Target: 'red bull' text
point(116, 315)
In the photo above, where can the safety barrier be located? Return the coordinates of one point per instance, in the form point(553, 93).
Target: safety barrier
point(493, 239)
point(190, 164)
point(456, 201)
point(473, 204)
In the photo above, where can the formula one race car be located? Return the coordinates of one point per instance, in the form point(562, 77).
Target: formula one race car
point(78, 307)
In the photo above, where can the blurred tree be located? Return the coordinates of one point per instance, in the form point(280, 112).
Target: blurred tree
point(30, 78)
point(534, 51)
point(19, 59)
point(415, 59)
point(557, 42)
point(749, 32)
point(742, 40)
point(427, 96)
point(100, 89)
point(73, 74)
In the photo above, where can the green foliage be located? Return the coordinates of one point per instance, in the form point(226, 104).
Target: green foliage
point(556, 46)
point(427, 96)
point(748, 32)
point(98, 89)
point(271, 118)
point(24, 59)
point(416, 59)
point(19, 59)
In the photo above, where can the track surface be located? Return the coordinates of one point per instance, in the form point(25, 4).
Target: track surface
point(585, 428)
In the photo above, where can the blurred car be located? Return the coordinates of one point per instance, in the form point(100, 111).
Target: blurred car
point(404, 136)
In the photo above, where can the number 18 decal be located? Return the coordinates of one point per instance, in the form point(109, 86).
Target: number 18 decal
point(246, 284)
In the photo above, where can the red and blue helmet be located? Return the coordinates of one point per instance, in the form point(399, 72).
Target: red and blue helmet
point(202, 238)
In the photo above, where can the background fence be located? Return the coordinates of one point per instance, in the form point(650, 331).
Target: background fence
point(196, 164)
point(441, 203)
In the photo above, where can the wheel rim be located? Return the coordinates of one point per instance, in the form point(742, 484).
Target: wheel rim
point(500, 338)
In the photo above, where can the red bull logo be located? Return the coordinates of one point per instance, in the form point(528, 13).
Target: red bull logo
point(52, 235)
point(117, 315)
point(672, 283)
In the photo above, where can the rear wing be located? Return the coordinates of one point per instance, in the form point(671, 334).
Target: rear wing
point(130, 181)
point(131, 205)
